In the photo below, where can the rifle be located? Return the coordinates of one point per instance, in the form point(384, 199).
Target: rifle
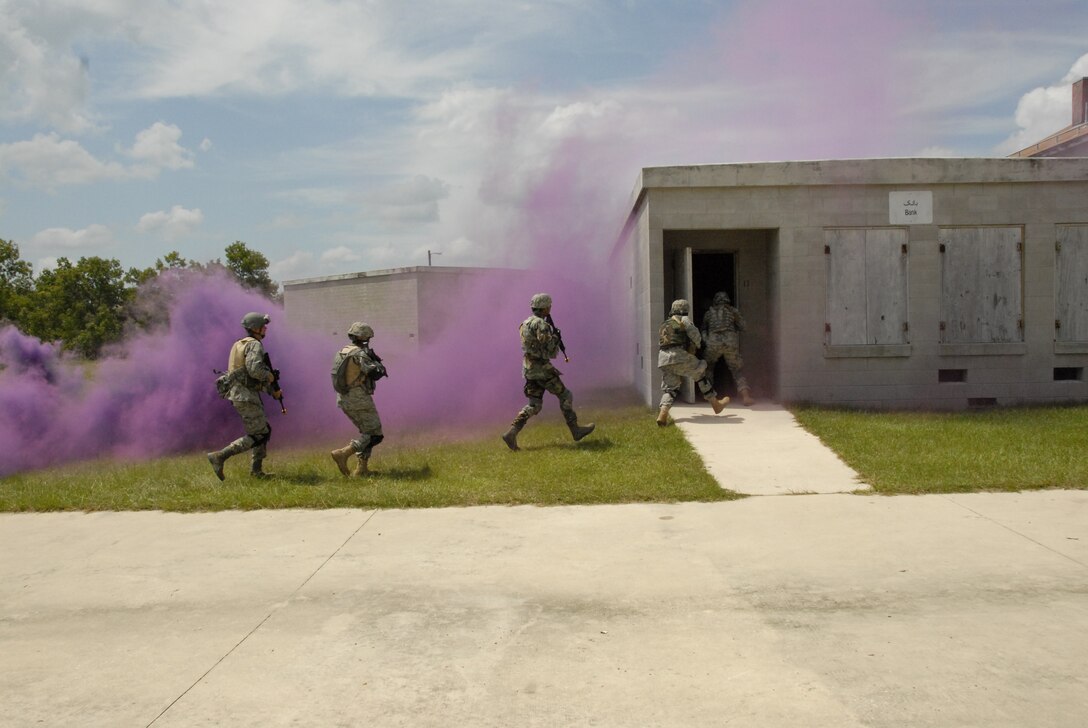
point(381, 371)
point(558, 335)
point(274, 385)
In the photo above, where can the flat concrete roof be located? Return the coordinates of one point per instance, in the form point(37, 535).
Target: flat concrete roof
point(416, 269)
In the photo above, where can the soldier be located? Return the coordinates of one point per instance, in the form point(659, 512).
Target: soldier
point(679, 339)
point(250, 374)
point(722, 324)
point(540, 342)
point(355, 372)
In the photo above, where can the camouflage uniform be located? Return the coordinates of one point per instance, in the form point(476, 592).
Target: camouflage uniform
point(362, 366)
point(678, 339)
point(250, 376)
point(722, 324)
point(540, 344)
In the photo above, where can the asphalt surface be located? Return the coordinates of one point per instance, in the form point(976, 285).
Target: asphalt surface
point(807, 610)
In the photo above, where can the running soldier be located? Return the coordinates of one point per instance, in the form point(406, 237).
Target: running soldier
point(356, 370)
point(540, 342)
point(249, 373)
point(679, 340)
point(722, 324)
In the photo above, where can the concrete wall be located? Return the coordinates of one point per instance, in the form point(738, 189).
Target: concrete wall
point(799, 201)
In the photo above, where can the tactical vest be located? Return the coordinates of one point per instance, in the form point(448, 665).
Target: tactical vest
point(238, 361)
point(672, 334)
point(531, 343)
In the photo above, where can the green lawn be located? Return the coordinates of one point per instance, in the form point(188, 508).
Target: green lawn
point(998, 450)
point(628, 459)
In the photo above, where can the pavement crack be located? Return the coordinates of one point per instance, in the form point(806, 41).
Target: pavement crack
point(1018, 533)
point(277, 607)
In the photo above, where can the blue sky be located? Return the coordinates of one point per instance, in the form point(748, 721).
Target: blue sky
point(345, 135)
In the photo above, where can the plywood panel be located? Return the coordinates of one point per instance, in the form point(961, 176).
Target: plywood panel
point(886, 285)
point(981, 289)
point(1071, 306)
point(846, 300)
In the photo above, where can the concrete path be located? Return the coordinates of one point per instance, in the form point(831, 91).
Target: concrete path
point(761, 450)
point(833, 610)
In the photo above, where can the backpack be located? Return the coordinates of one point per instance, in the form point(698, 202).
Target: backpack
point(340, 369)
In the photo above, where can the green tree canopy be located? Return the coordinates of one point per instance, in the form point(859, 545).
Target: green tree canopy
point(82, 304)
point(16, 281)
point(250, 268)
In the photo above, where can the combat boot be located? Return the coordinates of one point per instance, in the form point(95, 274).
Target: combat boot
point(217, 459)
point(663, 416)
point(577, 431)
point(256, 470)
point(719, 404)
point(511, 436)
point(340, 457)
point(746, 398)
point(362, 469)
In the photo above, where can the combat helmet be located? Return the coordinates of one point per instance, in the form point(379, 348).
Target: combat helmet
point(254, 320)
point(540, 301)
point(679, 308)
point(721, 298)
point(359, 330)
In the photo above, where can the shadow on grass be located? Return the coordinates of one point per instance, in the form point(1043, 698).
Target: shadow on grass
point(420, 473)
point(597, 445)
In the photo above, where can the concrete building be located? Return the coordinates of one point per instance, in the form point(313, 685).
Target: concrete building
point(407, 306)
point(890, 283)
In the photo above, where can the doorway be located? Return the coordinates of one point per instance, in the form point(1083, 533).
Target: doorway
point(713, 271)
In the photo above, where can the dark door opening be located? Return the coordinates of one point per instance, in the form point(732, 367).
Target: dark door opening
point(712, 272)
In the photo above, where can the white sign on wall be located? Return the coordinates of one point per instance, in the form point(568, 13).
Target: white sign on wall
point(910, 208)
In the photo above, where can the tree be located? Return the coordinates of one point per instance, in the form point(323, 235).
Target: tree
point(80, 305)
point(250, 268)
point(16, 282)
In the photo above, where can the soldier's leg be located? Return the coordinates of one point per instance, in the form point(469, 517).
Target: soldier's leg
point(566, 405)
point(256, 436)
point(534, 391)
point(703, 380)
point(670, 390)
point(735, 364)
point(259, 431)
point(364, 415)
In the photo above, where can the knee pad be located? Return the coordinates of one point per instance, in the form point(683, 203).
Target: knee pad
point(534, 406)
point(376, 440)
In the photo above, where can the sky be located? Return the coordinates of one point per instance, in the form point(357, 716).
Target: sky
point(349, 135)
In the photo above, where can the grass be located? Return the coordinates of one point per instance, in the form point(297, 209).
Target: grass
point(628, 459)
point(991, 450)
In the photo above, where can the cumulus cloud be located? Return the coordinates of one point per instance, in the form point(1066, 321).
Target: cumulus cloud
point(47, 161)
point(411, 200)
point(92, 236)
point(1044, 110)
point(297, 265)
point(205, 144)
point(340, 254)
point(172, 223)
point(39, 79)
point(157, 148)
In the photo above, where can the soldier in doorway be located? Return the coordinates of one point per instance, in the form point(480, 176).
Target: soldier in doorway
point(249, 374)
point(722, 324)
point(679, 340)
point(540, 342)
point(356, 370)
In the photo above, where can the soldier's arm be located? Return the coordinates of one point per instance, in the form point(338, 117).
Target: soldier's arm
point(693, 333)
point(255, 365)
point(739, 320)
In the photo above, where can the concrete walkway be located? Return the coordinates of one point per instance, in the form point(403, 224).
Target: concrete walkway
point(830, 610)
point(761, 450)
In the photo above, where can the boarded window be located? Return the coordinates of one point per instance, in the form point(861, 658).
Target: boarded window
point(981, 289)
point(866, 286)
point(1071, 309)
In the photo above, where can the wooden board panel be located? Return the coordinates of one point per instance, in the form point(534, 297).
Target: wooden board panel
point(981, 288)
point(886, 285)
point(1071, 306)
point(846, 300)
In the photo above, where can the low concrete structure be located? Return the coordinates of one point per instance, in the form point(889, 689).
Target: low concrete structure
point(942, 283)
point(409, 306)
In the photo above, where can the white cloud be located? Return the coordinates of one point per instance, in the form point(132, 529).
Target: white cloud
point(92, 236)
point(297, 265)
point(340, 254)
point(411, 200)
point(157, 148)
point(1044, 110)
point(40, 80)
point(173, 223)
point(205, 144)
point(48, 162)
